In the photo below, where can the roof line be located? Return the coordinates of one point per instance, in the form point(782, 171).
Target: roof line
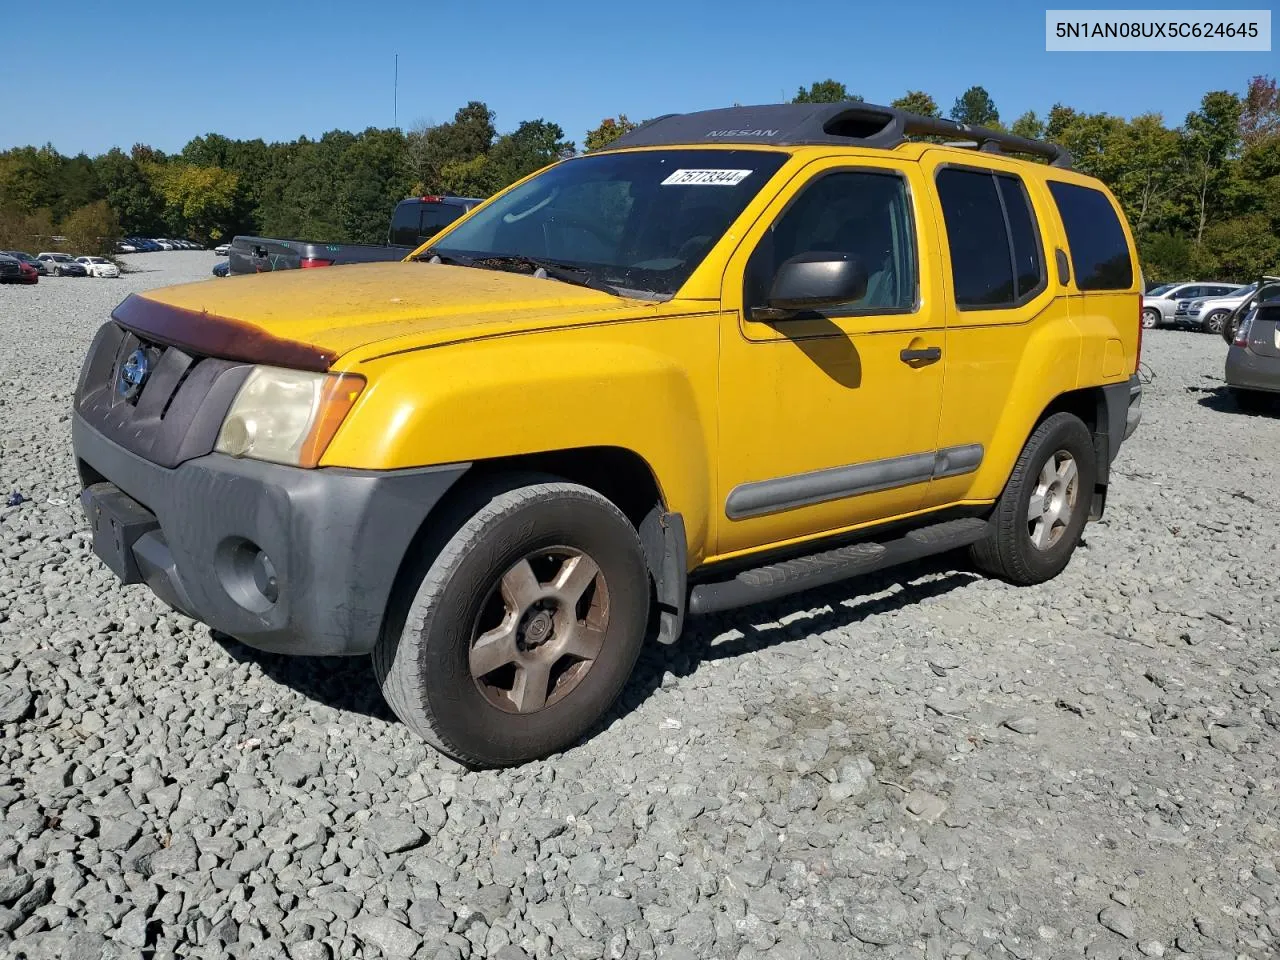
point(852, 123)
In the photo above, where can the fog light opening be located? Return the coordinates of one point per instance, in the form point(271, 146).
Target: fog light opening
point(247, 574)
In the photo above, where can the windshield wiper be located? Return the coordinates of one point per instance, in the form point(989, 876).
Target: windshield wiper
point(454, 259)
point(563, 272)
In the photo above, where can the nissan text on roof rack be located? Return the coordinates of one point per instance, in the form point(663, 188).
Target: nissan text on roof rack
point(736, 355)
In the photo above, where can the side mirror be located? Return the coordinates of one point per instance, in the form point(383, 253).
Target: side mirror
point(809, 281)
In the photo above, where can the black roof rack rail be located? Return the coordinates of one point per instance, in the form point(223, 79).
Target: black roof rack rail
point(851, 124)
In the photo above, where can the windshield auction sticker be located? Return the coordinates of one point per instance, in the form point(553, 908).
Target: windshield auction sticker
point(1126, 30)
point(706, 178)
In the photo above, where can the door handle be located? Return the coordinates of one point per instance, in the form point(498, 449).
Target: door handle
point(922, 356)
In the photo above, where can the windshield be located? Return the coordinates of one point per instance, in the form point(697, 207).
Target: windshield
point(1163, 288)
point(638, 223)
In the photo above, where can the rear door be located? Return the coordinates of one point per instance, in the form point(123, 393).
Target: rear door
point(1001, 294)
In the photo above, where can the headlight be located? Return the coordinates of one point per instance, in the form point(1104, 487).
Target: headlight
point(287, 416)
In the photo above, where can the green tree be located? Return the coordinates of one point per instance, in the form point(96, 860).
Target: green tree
point(1146, 175)
point(25, 230)
point(198, 200)
point(1211, 136)
point(1028, 125)
point(372, 177)
point(608, 131)
point(93, 229)
point(919, 102)
point(470, 134)
point(130, 193)
point(531, 146)
point(29, 177)
point(1242, 247)
point(824, 91)
point(976, 108)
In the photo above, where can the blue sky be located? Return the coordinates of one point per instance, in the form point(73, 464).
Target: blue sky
point(161, 74)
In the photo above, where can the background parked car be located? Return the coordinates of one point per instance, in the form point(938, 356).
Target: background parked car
point(1209, 312)
point(62, 265)
point(1253, 362)
point(38, 265)
point(222, 249)
point(1160, 303)
point(1270, 291)
point(222, 269)
point(99, 266)
point(123, 246)
point(11, 270)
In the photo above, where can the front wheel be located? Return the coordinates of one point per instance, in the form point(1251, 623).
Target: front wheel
point(1214, 321)
point(1150, 318)
point(523, 629)
point(1044, 507)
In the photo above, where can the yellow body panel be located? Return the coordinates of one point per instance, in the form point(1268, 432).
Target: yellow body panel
point(471, 365)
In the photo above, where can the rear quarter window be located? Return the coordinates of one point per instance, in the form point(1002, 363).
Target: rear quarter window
point(1099, 252)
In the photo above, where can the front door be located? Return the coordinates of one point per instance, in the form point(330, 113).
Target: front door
point(829, 419)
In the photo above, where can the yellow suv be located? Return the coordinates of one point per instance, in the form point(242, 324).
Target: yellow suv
point(741, 353)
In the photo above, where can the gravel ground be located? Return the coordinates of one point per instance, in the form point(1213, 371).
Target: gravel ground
point(922, 765)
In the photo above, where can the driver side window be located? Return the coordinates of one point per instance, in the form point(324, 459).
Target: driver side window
point(864, 214)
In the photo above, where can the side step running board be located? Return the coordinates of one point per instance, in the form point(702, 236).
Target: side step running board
point(819, 569)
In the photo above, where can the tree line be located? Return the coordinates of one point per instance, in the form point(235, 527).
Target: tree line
point(1203, 197)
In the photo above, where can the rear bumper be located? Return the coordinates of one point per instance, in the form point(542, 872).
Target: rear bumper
point(1124, 413)
point(333, 540)
point(1248, 371)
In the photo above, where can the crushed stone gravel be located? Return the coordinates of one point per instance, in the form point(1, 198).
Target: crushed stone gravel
point(921, 764)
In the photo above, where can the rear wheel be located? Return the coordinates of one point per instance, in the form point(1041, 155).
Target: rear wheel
point(1151, 318)
point(523, 629)
point(1214, 320)
point(1045, 505)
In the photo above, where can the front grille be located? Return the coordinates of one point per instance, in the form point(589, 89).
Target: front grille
point(153, 399)
point(9, 268)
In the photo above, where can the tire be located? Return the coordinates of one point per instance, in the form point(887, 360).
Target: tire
point(477, 585)
point(1252, 401)
point(1213, 321)
point(1150, 318)
point(1008, 551)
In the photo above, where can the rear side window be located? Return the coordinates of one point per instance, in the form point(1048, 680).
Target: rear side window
point(404, 225)
point(1099, 253)
point(996, 257)
point(437, 216)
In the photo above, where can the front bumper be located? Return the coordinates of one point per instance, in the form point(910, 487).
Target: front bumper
point(334, 540)
point(1247, 371)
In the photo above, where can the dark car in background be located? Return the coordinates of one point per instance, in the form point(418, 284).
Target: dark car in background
point(35, 263)
point(413, 222)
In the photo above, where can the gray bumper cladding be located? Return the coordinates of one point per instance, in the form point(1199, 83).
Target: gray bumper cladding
point(283, 559)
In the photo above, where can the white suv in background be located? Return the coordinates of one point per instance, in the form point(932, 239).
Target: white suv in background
point(1160, 303)
point(1208, 311)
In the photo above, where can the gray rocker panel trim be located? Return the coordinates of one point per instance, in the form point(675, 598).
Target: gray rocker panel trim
point(761, 497)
